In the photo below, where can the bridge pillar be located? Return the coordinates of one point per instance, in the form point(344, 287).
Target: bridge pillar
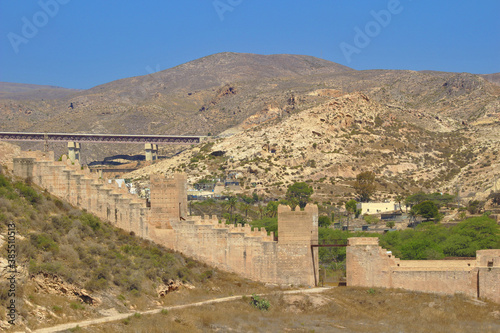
point(73, 151)
point(148, 147)
point(151, 152)
point(155, 152)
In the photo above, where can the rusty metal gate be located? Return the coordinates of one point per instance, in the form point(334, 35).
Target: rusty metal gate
point(334, 273)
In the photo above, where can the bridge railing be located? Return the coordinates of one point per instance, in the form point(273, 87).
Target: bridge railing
point(113, 138)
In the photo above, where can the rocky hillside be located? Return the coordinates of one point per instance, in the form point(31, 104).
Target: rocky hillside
point(298, 117)
point(219, 92)
point(71, 266)
point(328, 144)
point(20, 91)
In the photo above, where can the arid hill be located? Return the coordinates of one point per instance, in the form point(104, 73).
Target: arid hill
point(418, 130)
point(21, 91)
point(493, 78)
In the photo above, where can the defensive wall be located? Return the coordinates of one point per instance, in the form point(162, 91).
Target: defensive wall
point(251, 253)
point(369, 265)
point(75, 184)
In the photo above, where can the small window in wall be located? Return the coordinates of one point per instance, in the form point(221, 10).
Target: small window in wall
point(490, 263)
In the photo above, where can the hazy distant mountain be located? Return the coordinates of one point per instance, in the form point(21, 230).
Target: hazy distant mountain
point(494, 78)
point(32, 91)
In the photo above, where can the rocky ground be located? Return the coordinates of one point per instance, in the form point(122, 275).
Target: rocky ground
point(327, 145)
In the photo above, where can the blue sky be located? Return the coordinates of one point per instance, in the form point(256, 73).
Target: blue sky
point(81, 44)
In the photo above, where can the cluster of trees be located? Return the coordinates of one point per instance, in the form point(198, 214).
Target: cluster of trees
point(437, 198)
point(426, 205)
point(426, 209)
point(430, 241)
point(427, 241)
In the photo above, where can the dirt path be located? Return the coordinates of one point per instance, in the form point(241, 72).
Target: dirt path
point(121, 316)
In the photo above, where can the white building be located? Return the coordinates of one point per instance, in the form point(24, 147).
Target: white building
point(377, 207)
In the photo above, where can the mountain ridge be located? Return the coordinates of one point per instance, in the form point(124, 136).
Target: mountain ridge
point(231, 93)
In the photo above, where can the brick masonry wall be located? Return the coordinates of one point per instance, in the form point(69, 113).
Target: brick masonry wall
point(72, 183)
point(369, 265)
point(250, 253)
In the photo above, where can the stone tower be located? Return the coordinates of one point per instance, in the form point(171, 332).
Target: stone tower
point(297, 231)
point(168, 200)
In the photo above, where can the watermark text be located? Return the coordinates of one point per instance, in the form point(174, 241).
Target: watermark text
point(372, 29)
point(11, 273)
point(31, 26)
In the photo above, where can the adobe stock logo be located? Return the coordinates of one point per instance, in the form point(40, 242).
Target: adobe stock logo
point(222, 6)
point(30, 28)
point(372, 29)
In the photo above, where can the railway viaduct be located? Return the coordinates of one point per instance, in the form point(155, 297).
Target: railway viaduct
point(74, 140)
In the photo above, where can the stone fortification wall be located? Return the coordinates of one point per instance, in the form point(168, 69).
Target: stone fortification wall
point(238, 249)
point(369, 265)
point(81, 188)
point(250, 253)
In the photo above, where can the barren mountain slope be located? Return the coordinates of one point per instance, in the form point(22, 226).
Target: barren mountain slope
point(218, 92)
point(493, 78)
point(328, 144)
point(21, 91)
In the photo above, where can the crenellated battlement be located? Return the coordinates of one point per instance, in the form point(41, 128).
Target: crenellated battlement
point(237, 248)
point(77, 185)
point(369, 265)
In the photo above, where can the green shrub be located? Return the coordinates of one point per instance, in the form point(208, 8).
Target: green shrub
point(76, 306)
point(44, 242)
point(90, 220)
point(370, 219)
point(324, 221)
point(260, 303)
point(95, 284)
point(28, 193)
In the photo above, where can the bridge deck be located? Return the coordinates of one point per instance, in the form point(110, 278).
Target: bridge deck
point(111, 138)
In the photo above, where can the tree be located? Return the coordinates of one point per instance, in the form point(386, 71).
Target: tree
point(390, 224)
point(399, 199)
point(365, 185)
point(231, 204)
point(261, 210)
point(272, 209)
point(415, 199)
point(350, 206)
point(495, 198)
point(324, 221)
point(269, 223)
point(299, 194)
point(475, 206)
point(438, 198)
point(255, 197)
point(426, 209)
point(244, 206)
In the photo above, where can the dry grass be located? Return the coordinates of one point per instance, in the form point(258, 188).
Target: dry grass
point(337, 310)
